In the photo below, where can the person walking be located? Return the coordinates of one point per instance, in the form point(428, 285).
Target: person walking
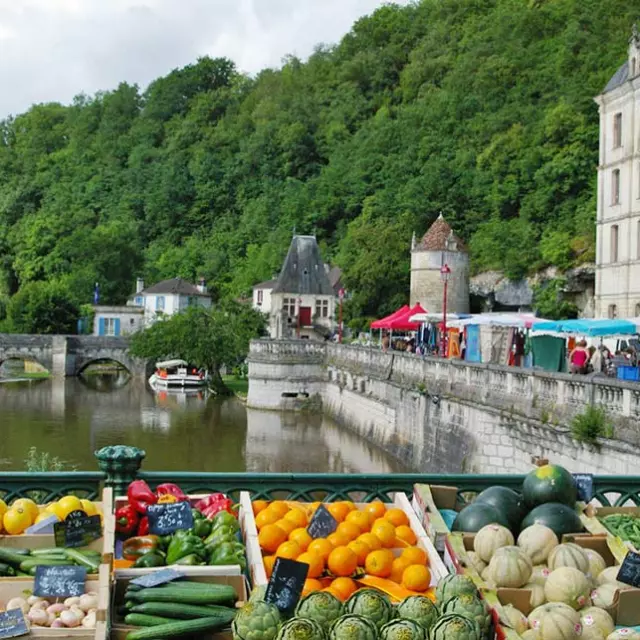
point(579, 357)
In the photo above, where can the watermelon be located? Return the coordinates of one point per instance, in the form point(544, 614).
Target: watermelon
point(477, 515)
point(558, 517)
point(506, 501)
point(549, 483)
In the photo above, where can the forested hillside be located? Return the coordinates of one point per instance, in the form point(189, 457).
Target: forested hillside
point(481, 109)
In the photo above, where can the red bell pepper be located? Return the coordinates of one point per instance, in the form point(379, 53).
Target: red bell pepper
point(126, 520)
point(169, 490)
point(213, 504)
point(140, 496)
point(143, 526)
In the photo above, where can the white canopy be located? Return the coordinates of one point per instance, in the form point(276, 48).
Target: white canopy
point(436, 317)
point(521, 320)
point(169, 364)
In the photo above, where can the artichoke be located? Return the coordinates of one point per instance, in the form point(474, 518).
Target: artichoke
point(371, 604)
point(321, 607)
point(353, 627)
point(418, 609)
point(258, 593)
point(256, 621)
point(471, 606)
point(455, 627)
point(402, 630)
point(454, 585)
point(301, 629)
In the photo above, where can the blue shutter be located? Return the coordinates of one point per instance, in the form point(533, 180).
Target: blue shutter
point(101, 326)
point(116, 331)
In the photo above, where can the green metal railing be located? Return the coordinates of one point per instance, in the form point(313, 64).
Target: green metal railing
point(46, 487)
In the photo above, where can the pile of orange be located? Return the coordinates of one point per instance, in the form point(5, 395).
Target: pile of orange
point(365, 539)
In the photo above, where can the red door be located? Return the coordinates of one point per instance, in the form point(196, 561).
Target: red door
point(305, 316)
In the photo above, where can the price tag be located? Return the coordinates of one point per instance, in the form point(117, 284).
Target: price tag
point(322, 524)
point(157, 577)
point(584, 485)
point(44, 526)
point(78, 530)
point(286, 584)
point(13, 624)
point(167, 518)
point(630, 570)
point(59, 582)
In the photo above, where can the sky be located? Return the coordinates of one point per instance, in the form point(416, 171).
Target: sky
point(52, 50)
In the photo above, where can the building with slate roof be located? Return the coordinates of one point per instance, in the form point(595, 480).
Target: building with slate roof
point(439, 246)
point(618, 202)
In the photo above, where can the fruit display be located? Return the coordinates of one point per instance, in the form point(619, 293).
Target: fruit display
point(24, 562)
point(80, 611)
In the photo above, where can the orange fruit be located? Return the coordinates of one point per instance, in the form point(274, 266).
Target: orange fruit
point(338, 510)
point(375, 509)
point(311, 585)
point(313, 506)
point(344, 586)
point(361, 519)
point(396, 517)
point(348, 530)
point(302, 537)
point(271, 536)
point(279, 507)
point(258, 506)
point(415, 555)
point(342, 561)
point(297, 517)
point(321, 547)
point(397, 568)
point(290, 550)
point(370, 540)
point(379, 563)
point(315, 562)
point(416, 577)
point(266, 517)
point(405, 533)
point(385, 532)
point(286, 525)
point(361, 550)
point(350, 505)
point(333, 592)
point(338, 539)
point(269, 561)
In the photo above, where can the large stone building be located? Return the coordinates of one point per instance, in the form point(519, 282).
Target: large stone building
point(439, 246)
point(618, 213)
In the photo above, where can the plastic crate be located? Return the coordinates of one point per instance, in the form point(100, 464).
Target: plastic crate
point(628, 373)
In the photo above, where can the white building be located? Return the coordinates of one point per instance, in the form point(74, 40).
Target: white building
point(618, 214)
point(146, 306)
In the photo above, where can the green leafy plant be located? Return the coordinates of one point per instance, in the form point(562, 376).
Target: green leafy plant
point(42, 461)
point(549, 303)
point(590, 425)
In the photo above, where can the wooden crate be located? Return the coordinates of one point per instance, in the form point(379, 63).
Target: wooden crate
point(17, 587)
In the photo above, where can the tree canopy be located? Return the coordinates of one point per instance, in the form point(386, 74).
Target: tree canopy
point(481, 109)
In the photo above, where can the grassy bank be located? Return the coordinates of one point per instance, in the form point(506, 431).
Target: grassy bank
point(239, 386)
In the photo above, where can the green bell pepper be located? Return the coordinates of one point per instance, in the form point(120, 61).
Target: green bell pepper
point(224, 518)
point(201, 528)
point(151, 559)
point(224, 533)
point(228, 553)
point(184, 544)
point(197, 515)
point(192, 560)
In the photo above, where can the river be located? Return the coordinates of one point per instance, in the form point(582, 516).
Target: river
point(72, 418)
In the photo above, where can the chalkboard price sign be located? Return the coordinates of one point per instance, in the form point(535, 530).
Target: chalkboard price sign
point(584, 484)
point(322, 524)
point(630, 569)
point(59, 582)
point(167, 518)
point(78, 530)
point(286, 583)
point(13, 624)
point(157, 577)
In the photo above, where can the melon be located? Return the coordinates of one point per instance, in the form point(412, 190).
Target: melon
point(597, 563)
point(625, 633)
point(610, 574)
point(549, 483)
point(604, 596)
point(556, 621)
point(530, 634)
point(490, 538)
point(477, 515)
point(558, 517)
point(569, 554)
point(510, 567)
point(506, 501)
point(537, 594)
point(539, 574)
point(514, 618)
point(486, 576)
point(568, 586)
point(473, 561)
point(596, 624)
point(537, 541)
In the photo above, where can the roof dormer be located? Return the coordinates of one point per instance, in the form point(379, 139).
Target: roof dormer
point(634, 52)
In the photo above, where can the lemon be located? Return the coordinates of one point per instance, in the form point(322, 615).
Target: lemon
point(16, 520)
point(68, 504)
point(54, 509)
point(44, 515)
point(3, 508)
point(28, 505)
point(89, 508)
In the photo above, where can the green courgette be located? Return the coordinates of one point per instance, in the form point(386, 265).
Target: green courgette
point(80, 559)
point(183, 611)
point(51, 551)
point(223, 594)
point(176, 629)
point(141, 620)
point(10, 556)
point(27, 565)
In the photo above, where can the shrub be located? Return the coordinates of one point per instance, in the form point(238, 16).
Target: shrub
point(591, 425)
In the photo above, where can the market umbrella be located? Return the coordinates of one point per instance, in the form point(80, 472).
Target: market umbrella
point(384, 323)
point(403, 322)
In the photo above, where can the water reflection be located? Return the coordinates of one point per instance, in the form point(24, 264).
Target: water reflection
point(181, 431)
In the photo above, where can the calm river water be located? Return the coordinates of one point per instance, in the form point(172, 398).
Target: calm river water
point(74, 417)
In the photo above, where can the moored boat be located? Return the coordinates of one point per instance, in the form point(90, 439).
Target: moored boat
point(177, 373)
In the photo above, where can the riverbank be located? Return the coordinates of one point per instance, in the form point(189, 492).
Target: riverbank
point(239, 386)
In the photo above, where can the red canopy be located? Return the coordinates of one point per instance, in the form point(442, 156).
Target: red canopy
point(401, 322)
point(383, 323)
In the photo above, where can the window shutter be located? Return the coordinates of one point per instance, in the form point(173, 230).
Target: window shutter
point(116, 330)
point(101, 326)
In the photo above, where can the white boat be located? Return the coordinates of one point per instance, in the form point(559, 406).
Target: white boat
point(177, 373)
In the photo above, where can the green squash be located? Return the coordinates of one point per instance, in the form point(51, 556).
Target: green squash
point(477, 515)
point(560, 518)
point(549, 483)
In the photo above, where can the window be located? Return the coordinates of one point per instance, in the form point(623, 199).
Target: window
point(192, 301)
point(614, 243)
point(138, 301)
point(111, 326)
point(289, 307)
point(637, 314)
point(612, 311)
point(159, 303)
point(615, 186)
point(259, 296)
point(617, 130)
point(322, 308)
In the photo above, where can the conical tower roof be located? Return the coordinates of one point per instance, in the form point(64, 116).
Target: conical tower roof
point(440, 237)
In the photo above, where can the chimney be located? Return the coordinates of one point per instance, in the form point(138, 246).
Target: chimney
point(202, 286)
point(327, 268)
point(139, 285)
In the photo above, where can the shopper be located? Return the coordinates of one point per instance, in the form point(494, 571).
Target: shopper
point(579, 357)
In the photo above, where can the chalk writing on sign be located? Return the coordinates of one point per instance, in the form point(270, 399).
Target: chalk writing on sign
point(78, 530)
point(13, 624)
point(584, 485)
point(167, 518)
point(322, 523)
point(630, 570)
point(157, 577)
point(286, 584)
point(59, 582)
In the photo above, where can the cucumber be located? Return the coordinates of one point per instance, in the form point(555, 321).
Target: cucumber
point(27, 565)
point(176, 629)
point(141, 620)
point(223, 594)
point(52, 551)
point(11, 557)
point(90, 553)
point(80, 559)
point(183, 611)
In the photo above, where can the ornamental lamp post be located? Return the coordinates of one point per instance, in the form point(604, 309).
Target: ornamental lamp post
point(341, 298)
point(445, 272)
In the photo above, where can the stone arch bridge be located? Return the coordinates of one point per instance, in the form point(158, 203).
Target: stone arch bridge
point(69, 355)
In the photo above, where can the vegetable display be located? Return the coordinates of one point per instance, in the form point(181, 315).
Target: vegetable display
point(24, 562)
point(625, 526)
point(73, 612)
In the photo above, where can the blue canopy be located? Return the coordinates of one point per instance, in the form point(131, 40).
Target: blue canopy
point(584, 327)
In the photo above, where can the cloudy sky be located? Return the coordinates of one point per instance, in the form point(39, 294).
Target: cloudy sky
point(51, 50)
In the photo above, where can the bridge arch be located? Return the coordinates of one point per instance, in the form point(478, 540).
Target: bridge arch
point(87, 362)
point(25, 357)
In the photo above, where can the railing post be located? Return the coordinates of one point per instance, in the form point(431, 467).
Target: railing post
point(121, 464)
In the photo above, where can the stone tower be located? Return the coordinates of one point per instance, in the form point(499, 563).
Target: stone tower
point(439, 246)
